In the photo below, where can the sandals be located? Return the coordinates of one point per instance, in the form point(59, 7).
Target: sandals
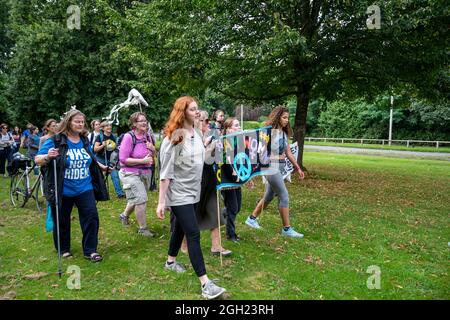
point(224, 252)
point(94, 257)
point(67, 254)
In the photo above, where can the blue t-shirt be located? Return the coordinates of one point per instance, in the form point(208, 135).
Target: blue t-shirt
point(77, 178)
point(26, 133)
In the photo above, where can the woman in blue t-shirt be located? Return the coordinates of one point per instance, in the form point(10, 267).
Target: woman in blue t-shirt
point(73, 162)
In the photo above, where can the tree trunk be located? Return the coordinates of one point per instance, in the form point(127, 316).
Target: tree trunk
point(303, 92)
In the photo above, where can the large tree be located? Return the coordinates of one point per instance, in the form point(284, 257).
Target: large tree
point(270, 50)
point(53, 66)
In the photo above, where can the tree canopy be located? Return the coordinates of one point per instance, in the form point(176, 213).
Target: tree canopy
point(223, 52)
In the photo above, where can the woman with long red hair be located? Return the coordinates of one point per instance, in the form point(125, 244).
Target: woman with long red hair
point(182, 156)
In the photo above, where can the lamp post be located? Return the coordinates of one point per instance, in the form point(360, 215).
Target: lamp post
point(390, 120)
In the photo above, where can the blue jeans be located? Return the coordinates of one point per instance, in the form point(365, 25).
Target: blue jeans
point(115, 179)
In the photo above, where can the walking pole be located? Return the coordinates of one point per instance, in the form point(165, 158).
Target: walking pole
point(218, 223)
point(107, 173)
point(57, 219)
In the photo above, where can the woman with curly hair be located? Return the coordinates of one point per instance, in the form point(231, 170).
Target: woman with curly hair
point(281, 131)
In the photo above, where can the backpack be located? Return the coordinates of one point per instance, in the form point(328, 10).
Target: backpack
point(134, 139)
point(91, 138)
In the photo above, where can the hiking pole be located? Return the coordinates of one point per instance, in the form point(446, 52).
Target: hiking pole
point(107, 173)
point(57, 219)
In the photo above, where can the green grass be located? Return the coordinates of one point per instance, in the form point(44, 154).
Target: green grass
point(355, 211)
point(379, 146)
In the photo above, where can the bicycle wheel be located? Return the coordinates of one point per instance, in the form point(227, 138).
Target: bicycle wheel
point(18, 190)
point(40, 200)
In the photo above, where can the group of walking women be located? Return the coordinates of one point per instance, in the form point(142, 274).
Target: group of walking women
point(187, 184)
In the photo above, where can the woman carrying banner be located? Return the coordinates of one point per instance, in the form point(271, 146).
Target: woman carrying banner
point(281, 131)
point(182, 156)
point(232, 196)
point(79, 183)
point(136, 157)
point(207, 207)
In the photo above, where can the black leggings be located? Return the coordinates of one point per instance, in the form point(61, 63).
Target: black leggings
point(186, 224)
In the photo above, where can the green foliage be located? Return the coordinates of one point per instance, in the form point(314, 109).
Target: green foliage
point(360, 119)
point(211, 101)
point(248, 125)
point(226, 53)
point(262, 119)
point(272, 50)
point(53, 67)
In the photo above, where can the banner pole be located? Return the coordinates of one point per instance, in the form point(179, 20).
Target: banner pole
point(218, 224)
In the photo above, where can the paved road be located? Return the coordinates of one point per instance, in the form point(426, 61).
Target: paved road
point(382, 152)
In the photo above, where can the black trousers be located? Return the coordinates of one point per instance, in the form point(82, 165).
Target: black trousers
point(89, 222)
point(185, 223)
point(5, 154)
point(233, 203)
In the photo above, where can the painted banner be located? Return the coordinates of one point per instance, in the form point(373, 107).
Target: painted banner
point(240, 157)
point(289, 168)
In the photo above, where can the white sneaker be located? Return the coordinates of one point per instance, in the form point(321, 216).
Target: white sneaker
point(252, 223)
point(291, 233)
point(146, 233)
point(177, 267)
point(212, 291)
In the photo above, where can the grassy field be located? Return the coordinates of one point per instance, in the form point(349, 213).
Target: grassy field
point(355, 212)
point(379, 146)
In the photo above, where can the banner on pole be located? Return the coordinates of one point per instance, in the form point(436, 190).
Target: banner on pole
point(240, 157)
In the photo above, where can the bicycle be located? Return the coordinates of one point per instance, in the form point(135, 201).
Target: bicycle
point(21, 190)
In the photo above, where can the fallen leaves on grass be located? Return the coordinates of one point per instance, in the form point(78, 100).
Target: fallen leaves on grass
point(315, 260)
point(36, 276)
point(11, 295)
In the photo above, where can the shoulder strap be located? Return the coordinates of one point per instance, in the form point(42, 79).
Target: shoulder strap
point(56, 140)
point(133, 137)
